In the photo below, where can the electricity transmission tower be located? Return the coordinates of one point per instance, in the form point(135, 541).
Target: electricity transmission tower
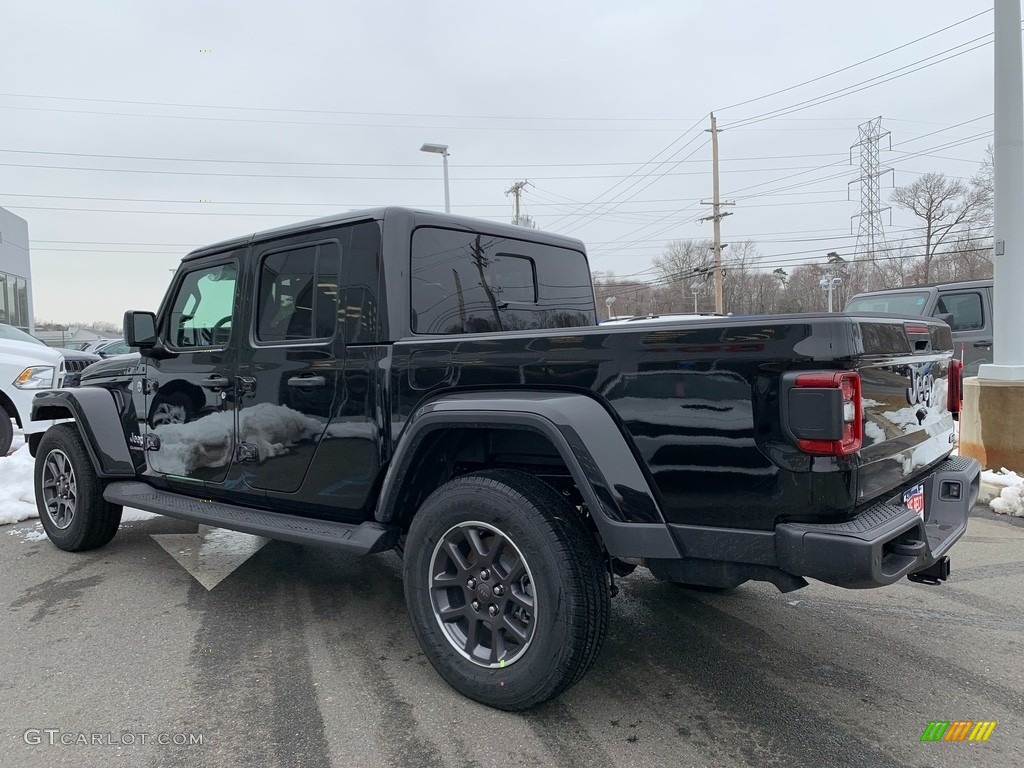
point(870, 233)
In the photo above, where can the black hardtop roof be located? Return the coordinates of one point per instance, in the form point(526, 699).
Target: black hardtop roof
point(371, 214)
point(924, 286)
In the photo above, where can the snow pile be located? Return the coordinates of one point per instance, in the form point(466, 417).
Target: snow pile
point(17, 494)
point(1010, 500)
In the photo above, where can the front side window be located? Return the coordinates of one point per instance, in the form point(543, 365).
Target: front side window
point(965, 308)
point(202, 310)
point(298, 294)
point(466, 282)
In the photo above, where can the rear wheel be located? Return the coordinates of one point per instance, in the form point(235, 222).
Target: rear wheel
point(69, 495)
point(506, 589)
point(6, 431)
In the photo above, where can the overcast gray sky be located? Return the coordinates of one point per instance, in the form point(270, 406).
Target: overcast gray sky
point(276, 112)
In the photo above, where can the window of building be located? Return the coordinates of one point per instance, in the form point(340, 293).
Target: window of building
point(14, 301)
point(464, 282)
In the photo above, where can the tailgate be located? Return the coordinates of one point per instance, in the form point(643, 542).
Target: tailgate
point(908, 426)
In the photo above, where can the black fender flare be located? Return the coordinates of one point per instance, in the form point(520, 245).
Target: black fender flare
point(589, 441)
point(95, 412)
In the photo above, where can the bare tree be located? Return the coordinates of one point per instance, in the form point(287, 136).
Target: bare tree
point(683, 262)
point(944, 206)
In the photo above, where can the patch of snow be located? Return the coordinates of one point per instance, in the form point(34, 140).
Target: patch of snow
point(1003, 477)
point(17, 492)
point(35, 533)
point(1010, 500)
point(132, 515)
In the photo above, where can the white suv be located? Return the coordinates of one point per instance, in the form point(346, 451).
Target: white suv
point(26, 367)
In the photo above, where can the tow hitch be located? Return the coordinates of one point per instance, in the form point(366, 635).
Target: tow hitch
point(934, 574)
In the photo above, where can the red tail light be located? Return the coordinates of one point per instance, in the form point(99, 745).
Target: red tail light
point(955, 386)
point(852, 416)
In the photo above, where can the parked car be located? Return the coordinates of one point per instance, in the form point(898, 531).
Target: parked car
point(75, 360)
point(402, 379)
point(26, 366)
point(108, 347)
point(966, 306)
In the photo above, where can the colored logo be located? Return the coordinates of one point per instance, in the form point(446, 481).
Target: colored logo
point(958, 730)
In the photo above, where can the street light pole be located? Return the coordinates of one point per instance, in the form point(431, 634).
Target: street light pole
point(829, 284)
point(442, 150)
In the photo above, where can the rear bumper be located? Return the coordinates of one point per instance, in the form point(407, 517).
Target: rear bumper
point(885, 541)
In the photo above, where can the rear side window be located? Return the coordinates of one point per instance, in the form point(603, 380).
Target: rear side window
point(465, 282)
point(298, 293)
point(965, 308)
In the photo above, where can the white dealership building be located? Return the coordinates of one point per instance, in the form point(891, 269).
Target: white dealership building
point(15, 273)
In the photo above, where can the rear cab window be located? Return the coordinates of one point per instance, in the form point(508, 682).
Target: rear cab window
point(910, 303)
point(467, 282)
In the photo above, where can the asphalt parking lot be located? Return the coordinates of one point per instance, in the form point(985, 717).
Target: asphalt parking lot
point(304, 657)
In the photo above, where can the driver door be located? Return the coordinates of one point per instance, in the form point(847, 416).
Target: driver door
point(190, 421)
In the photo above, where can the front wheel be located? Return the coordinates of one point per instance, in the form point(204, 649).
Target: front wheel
point(69, 495)
point(506, 589)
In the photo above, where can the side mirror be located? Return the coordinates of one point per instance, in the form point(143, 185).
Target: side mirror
point(140, 329)
point(947, 318)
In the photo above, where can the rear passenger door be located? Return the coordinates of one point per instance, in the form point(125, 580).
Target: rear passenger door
point(971, 325)
point(290, 370)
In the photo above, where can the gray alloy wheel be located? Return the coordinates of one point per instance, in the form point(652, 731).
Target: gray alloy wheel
point(60, 488)
point(482, 594)
point(506, 588)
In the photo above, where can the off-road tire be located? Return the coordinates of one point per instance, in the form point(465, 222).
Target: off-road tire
point(568, 579)
point(69, 495)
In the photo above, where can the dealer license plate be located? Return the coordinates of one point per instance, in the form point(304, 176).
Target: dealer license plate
point(914, 498)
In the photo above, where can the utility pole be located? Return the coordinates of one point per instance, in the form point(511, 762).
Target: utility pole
point(518, 218)
point(716, 216)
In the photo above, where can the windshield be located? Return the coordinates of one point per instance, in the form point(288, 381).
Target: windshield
point(11, 333)
point(896, 303)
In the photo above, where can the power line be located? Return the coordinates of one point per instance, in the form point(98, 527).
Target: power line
point(653, 162)
point(855, 64)
point(863, 85)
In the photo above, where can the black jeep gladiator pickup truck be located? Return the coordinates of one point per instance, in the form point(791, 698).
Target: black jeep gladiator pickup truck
point(403, 379)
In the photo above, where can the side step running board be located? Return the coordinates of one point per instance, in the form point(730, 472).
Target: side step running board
point(363, 539)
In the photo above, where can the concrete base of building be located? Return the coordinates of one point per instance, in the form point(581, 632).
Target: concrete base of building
point(992, 423)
